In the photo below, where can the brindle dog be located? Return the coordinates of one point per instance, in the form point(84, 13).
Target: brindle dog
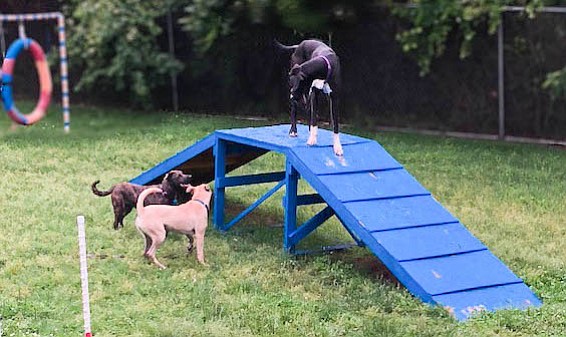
point(125, 195)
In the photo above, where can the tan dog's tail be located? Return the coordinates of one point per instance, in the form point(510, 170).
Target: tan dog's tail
point(143, 195)
point(98, 192)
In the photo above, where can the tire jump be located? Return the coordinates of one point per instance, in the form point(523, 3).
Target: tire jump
point(44, 76)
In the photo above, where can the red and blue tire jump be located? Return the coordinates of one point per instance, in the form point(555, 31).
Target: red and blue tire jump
point(45, 83)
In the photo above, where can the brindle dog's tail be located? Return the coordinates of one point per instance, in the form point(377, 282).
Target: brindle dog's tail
point(98, 192)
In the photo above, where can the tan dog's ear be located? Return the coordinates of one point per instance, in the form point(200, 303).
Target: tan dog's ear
point(189, 188)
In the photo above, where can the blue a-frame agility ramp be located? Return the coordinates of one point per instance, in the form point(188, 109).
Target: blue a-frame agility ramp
point(379, 203)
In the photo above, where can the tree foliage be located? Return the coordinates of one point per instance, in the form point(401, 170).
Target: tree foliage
point(115, 45)
point(208, 20)
point(432, 21)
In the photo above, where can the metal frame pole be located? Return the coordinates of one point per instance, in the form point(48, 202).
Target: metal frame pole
point(501, 78)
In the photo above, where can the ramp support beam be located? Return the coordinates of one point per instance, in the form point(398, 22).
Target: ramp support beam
point(253, 206)
point(219, 174)
point(292, 182)
point(222, 182)
point(309, 226)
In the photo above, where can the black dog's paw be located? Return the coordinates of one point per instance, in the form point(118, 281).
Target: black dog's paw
point(293, 131)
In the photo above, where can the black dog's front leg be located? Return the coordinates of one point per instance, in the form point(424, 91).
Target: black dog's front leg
point(293, 106)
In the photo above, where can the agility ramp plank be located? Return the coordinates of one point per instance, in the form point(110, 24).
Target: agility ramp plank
point(382, 206)
point(198, 160)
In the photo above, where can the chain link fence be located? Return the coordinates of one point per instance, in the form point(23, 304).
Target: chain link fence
point(382, 85)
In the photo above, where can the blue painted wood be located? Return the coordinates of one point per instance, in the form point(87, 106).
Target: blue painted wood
point(358, 157)
point(310, 225)
point(353, 226)
point(276, 137)
point(464, 304)
point(373, 185)
point(306, 199)
point(251, 179)
point(460, 272)
point(290, 224)
point(157, 172)
point(388, 214)
point(219, 192)
point(429, 241)
point(325, 249)
point(309, 199)
point(423, 245)
point(359, 242)
point(253, 206)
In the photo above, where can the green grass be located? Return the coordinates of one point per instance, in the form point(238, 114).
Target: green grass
point(510, 196)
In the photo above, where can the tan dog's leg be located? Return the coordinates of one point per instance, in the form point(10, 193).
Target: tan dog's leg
point(157, 240)
point(146, 238)
point(199, 238)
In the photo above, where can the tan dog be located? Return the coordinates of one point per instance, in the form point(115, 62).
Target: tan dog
point(191, 219)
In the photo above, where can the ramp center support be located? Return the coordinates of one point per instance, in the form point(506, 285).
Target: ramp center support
point(292, 234)
point(221, 182)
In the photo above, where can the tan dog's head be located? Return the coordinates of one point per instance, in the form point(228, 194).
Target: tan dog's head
point(202, 192)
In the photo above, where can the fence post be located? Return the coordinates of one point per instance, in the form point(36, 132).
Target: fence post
point(174, 91)
point(501, 78)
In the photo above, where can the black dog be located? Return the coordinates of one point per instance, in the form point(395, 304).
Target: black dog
point(125, 195)
point(312, 60)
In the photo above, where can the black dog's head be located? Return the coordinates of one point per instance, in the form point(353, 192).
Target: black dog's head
point(296, 82)
point(298, 88)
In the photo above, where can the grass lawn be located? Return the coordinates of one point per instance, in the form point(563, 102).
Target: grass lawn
point(512, 197)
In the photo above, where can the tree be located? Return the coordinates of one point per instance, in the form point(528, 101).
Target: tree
point(432, 21)
point(114, 43)
point(208, 20)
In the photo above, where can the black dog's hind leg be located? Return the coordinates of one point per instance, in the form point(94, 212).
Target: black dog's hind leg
point(313, 107)
point(333, 105)
point(314, 103)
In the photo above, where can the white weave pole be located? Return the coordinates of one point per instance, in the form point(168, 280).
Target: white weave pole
point(84, 274)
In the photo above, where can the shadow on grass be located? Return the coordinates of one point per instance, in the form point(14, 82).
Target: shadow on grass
point(261, 227)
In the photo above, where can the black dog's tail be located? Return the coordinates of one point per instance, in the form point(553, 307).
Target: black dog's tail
point(96, 191)
point(283, 49)
point(281, 46)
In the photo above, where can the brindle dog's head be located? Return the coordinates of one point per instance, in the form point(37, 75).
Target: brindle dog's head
point(172, 185)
